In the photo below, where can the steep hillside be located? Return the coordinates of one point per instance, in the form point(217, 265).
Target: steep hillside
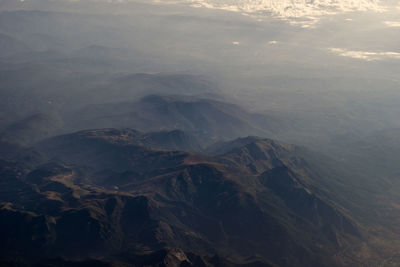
point(122, 199)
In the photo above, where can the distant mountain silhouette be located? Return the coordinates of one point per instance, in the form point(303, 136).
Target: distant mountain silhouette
point(208, 119)
point(27, 131)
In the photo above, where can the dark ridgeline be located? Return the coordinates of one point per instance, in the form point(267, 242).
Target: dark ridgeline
point(120, 196)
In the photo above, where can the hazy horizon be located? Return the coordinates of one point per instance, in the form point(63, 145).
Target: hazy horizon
point(199, 133)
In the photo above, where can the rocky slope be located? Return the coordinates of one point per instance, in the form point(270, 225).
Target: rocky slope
point(107, 195)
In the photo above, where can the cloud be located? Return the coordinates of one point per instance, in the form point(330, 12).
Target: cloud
point(303, 13)
point(236, 43)
point(392, 23)
point(365, 55)
point(291, 10)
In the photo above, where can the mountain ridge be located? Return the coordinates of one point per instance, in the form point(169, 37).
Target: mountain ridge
point(205, 204)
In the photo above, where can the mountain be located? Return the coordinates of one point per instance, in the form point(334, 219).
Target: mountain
point(165, 140)
point(41, 82)
point(173, 140)
point(28, 131)
point(259, 204)
point(17, 136)
point(220, 148)
point(122, 87)
point(206, 118)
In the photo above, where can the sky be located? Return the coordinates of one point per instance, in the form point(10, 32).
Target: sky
point(357, 19)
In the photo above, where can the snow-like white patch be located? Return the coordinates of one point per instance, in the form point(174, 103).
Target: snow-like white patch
point(236, 43)
point(365, 55)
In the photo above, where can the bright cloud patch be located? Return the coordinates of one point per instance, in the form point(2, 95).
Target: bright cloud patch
point(291, 9)
point(365, 55)
point(392, 23)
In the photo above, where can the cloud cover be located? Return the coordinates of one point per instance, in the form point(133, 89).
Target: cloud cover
point(292, 8)
point(366, 55)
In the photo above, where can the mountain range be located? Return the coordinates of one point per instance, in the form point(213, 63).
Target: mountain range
point(208, 119)
point(127, 199)
point(135, 133)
